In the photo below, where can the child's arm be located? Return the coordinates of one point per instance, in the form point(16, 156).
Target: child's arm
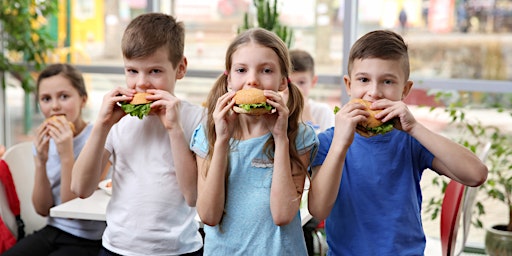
point(212, 185)
point(42, 198)
point(287, 184)
point(94, 157)
point(167, 107)
point(212, 178)
point(450, 158)
point(326, 178)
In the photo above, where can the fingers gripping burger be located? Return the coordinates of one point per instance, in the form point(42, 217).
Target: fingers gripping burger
point(251, 101)
point(139, 106)
point(372, 126)
point(55, 119)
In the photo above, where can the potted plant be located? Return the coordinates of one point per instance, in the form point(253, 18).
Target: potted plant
point(24, 43)
point(498, 187)
point(267, 17)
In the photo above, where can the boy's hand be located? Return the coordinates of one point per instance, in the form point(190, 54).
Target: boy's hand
point(166, 106)
point(110, 112)
point(395, 109)
point(346, 119)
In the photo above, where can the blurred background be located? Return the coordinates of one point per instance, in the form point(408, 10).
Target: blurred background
point(461, 49)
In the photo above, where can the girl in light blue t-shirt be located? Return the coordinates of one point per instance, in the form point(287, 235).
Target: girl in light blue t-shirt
point(252, 168)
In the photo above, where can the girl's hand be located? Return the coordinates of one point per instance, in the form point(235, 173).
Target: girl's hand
point(41, 143)
point(395, 109)
point(110, 112)
point(166, 106)
point(277, 122)
point(224, 117)
point(61, 133)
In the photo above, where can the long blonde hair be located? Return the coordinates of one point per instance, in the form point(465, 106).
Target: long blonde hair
point(295, 102)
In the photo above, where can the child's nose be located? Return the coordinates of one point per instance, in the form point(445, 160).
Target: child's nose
point(374, 90)
point(143, 82)
point(252, 79)
point(55, 105)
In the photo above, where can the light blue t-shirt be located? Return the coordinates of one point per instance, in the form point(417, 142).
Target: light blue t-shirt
point(378, 208)
point(247, 227)
point(89, 229)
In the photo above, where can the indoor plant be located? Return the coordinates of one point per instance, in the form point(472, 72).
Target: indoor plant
point(498, 186)
point(24, 43)
point(267, 17)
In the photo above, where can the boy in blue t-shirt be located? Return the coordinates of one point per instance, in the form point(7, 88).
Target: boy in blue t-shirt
point(368, 188)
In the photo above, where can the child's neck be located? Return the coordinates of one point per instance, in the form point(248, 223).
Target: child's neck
point(251, 127)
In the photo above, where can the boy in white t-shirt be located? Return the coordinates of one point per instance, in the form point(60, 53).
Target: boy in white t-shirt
point(154, 177)
point(317, 114)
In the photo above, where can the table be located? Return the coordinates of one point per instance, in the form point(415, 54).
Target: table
point(95, 208)
point(90, 208)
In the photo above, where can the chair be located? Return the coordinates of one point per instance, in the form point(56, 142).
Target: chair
point(20, 159)
point(457, 197)
point(450, 213)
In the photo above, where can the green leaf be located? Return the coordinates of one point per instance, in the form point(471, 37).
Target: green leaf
point(139, 111)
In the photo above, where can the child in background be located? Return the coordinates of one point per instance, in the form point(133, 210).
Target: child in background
point(369, 188)
point(318, 114)
point(252, 168)
point(61, 95)
point(154, 177)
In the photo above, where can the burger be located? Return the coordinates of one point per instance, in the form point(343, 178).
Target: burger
point(55, 119)
point(372, 126)
point(252, 102)
point(139, 106)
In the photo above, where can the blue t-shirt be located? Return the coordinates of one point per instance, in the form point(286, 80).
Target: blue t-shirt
point(378, 208)
point(247, 227)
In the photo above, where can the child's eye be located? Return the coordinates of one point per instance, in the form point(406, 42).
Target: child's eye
point(64, 96)
point(45, 99)
point(267, 70)
point(240, 70)
point(132, 71)
point(363, 80)
point(388, 82)
point(156, 71)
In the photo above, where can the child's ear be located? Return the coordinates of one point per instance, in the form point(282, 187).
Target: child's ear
point(84, 102)
point(346, 79)
point(314, 81)
point(181, 70)
point(284, 84)
point(407, 89)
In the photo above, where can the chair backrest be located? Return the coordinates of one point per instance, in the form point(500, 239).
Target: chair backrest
point(458, 199)
point(20, 159)
point(450, 213)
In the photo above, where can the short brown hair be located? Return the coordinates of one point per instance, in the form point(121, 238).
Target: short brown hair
point(302, 61)
point(381, 44)
point(148, 32)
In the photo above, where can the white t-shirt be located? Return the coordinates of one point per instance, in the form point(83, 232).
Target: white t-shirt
point(148, 214)
point(323, 115)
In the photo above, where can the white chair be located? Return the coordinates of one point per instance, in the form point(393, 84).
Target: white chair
point(20, 159)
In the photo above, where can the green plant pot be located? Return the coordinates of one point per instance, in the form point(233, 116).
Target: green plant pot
point(498, 241)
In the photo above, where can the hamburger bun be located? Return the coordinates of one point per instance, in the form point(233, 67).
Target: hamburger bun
point(140, 98)
point(373, 126)
point(253, 97)
point(371, 121)
point(55, 119)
